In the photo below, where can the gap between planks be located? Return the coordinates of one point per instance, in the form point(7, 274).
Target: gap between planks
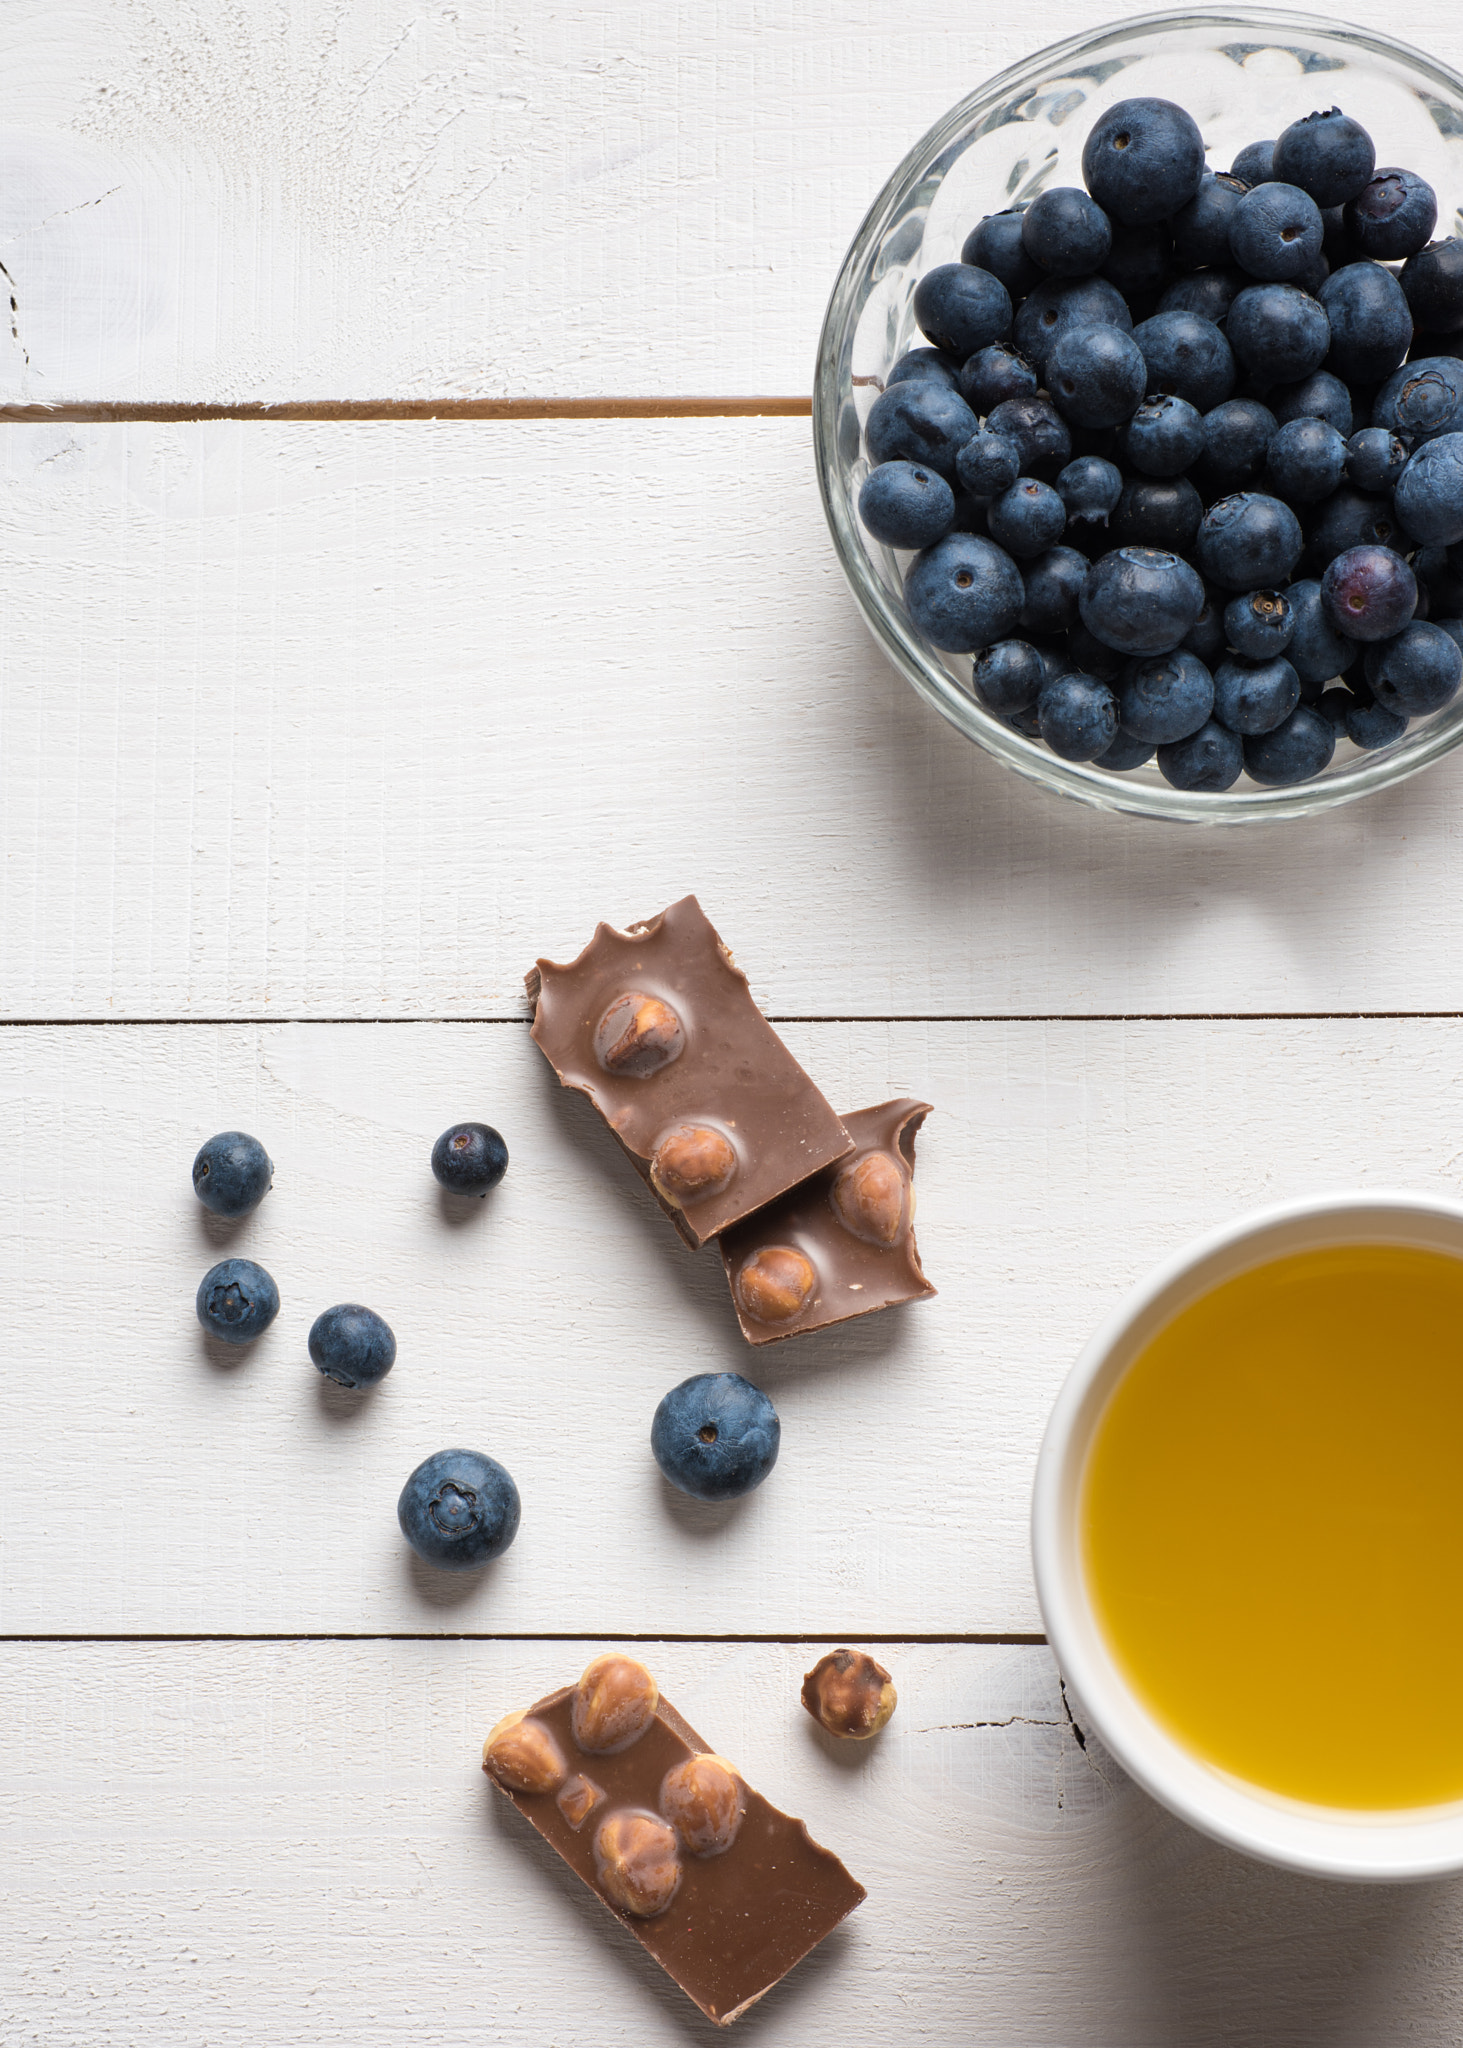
point(1015, 1640)
point(860, 1017)
point(91, 412)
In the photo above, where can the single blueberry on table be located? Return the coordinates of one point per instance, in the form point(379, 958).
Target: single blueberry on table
point(1165, 698)
point(1370, 726)
point(1158, 512)
point(715, 1436)
point(1090, 489)
point(1429, 495)
point(1061, 304)
point(920, 421)
point(1375, 458)
point(352, 1345)
point(1210, 759)
point(1306, 460)
point(1187, 357)
point(1369, 593)
point(1141, 600)
point(1275, 232)
point(963, 593)
point(1140, 259)
point(1096, 375)
point(1164, 436)
point(994, 374)
point(1124, 753)
point(1260, 623)
point(1237, 435)
point(1392, 216)
point(1432, 283)
point(459, 1510)
point(1292, 752)
point(995, 244)
point(1249, 541)
point(469, 1159)
point(1329, 155)
point(1351, 519)
point(1007, 677)
point(237, 1301)
point(1251, 697)
point(1371, 324)
point(1201, 229)
point(961, 308)
point(919, 365)
point(1319, 397)
point(906, 505)
point(1143, 160)
point(1053, 584)
point(1078, 716)
point(1039, 431)
point(1066, 233)
point(232, 1173)
point(1027, 519)
point(1417, 672)
point(1209, 293)
point(1255, 163)
point(1279, 333)
point(988, 464)
point(1422, 399)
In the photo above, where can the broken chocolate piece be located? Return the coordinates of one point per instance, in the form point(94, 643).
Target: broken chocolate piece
point(726, 1892)
point(658, 1028)
point(840, 1245)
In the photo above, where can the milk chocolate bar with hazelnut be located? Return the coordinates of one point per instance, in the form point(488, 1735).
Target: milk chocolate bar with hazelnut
point(726, 1892)
point(658, 1028)
point(840, 1245)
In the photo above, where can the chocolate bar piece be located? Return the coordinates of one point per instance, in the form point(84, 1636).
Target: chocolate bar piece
point(658, 1028)
point(726, 1892)
point(842, 1244)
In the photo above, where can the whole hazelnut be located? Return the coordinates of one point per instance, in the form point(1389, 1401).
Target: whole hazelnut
point(636, 1862)
point(702, 1800)
point(578, 1799)
point(868, 1199)
point(850, 1695)
point(692, 1162)
point(614, 1704)
point(638, 1035)
point(523, 1755)
point(775, 1283)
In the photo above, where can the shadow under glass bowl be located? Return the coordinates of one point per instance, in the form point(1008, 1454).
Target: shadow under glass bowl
point(1243, 73)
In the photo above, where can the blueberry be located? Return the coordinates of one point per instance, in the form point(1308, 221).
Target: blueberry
point(1066, 233)
point(1164, 436)
point(995, 244)
point(1096, 375)
point(352, 1345)
point(1210, 759)
point(1292, 752)
point(1143, 160)
point(1125, 752)
point(1141, 600)
point(1053, 584)
point(1416, 673)
point(1093, 656)
point(963, 593)
point(1429, 496)
point(1209, 293)
point(232, 1173)
point(1370, 322)
point(469, 1159)
point(1432, 282)
point(1206, 636)
point(1316, 651)
point(1158, 512)
point(1201, 229)
point(1260, 624)
point(1442, 581)
point(1275, 231)
point(459, 1510)
point(237, 1301)
point(962, 308)
point(1090, 489)
point(1370, 726)
point(1336, 706)
point(1369, 593)
point(1350, 519)
point(1306, 461)
point(1039, 431)
point(1453, 627)
point(1375, 458)
point(1249, 541)
point(1236, 436)
point(1255, 163)
point(988, 464)
point(1165, 698)
point(1188, 357)
point(715, 1436)
point(1422, 399)
point(1278, 332)
point(1317, 397)
point(995, 374)
point(1252, 697)
point(922, 422)
point(1078, 716)
point(1139, 260)
point(1328, 155)
point(920, 365)
point(905, 505)
point(1392, 216)
point(1063, 303)
point(1026, 723)
point(1027, 519)
point(1008, 676)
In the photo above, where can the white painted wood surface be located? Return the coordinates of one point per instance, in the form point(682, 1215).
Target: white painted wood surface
point(328, 720)
point(292, 1842)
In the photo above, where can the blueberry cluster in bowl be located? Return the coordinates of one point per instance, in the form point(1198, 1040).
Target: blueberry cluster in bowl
point(1182, 465)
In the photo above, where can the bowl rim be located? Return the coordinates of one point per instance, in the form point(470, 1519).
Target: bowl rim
point(1080, 781)
point(1358, 1847)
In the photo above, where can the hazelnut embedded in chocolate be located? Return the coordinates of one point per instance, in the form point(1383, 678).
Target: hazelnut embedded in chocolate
point(521, 1753)
point(692, 1162)
point(702, 1800)
point(775, 1283)
point(868, 1199)
point(638, 1035)
point(849, 1694)
point(636, 1862)
point(578, 1799)
point(614, 1704)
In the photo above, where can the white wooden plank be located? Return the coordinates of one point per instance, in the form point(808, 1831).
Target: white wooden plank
point(149, 1484)
point(357, 720)
point(273, 1844)
point(266, 203)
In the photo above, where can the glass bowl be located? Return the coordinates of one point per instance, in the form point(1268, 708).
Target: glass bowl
point(1242, 73)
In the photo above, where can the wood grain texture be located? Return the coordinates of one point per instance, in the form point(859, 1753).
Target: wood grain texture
point(150, 1482)
point(260, 202)
point(353, 720)
point(266, 1845)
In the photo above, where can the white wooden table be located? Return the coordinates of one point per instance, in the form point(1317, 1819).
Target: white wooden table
point(338, 682)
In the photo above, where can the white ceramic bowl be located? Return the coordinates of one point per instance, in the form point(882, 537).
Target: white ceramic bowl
point(1361, 1847)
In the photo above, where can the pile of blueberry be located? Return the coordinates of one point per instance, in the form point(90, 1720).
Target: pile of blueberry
point(1183, 463)
point(715, 1436)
